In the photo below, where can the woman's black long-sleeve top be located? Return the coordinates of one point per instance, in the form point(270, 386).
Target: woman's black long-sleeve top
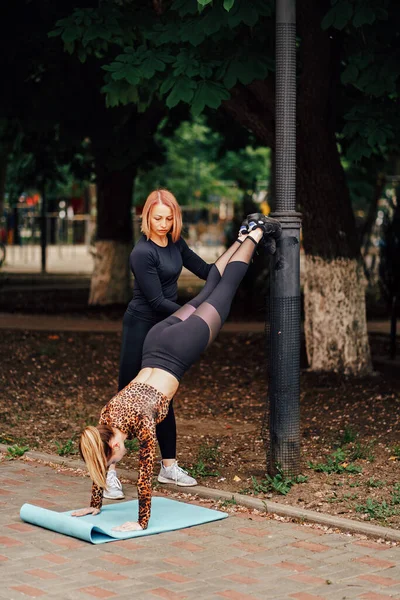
point(156, 270)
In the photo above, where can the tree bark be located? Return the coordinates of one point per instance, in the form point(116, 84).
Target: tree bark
point(3, 175)
point(110, 282)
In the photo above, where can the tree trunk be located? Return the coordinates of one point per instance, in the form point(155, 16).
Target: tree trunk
point(330, 237)
point(335, 315)
point(3, 175)
point(335, 324)
point(110, 279)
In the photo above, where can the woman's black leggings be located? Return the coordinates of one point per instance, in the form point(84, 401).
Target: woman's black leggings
point(134, 333)
point(177, 342)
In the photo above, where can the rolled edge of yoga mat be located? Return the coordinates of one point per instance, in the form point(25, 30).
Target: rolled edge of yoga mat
point(58, 522)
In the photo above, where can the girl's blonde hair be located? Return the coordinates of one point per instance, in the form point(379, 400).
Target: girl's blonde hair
point(165, 197)
point(95, 450)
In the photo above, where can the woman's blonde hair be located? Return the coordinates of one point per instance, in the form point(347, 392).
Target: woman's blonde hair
point(165, 197)
point(95, 450)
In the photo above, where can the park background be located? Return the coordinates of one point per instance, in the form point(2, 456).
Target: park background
point(105, 103)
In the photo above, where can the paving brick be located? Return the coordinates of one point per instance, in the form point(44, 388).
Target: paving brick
point(373, 596)
point(306, 596)
point(117, 559)
point(8, 542)
point(180, 562)
point(242, 579)
point(97, 592)
point(301, 578)
point(193, 532)
point(43, 503)
point(176, 577)
point(292, 566)
point(70, 543)
point(54, 558)
point(21, 527)
point(28, 590)
point(9, 481)
point(377, 580)
point(108, 575)
point(372, 545)
point(233, 595)
point(243, 562)
point(188, 546)
point(311, 546)
point(167, 594)
point(254, 532)
point(42, 574)
point(375, 562)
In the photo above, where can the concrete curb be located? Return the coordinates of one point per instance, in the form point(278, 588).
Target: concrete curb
point(300, 514)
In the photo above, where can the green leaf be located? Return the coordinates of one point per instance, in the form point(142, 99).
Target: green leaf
point(204, 2)
point(350, 74)
point(357, 150)
point(166, 85)
point(71, 34)
point(182, 91)
point(150, 65)
point(242, 12)
point(364, 15)
point(338, 16)
point(228, 4)
point(208, 93)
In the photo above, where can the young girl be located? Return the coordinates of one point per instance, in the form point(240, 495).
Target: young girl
point(156, 263)
point(170, 348)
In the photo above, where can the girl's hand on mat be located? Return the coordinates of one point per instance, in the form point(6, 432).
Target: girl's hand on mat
point(82, 512)
point(128, 526)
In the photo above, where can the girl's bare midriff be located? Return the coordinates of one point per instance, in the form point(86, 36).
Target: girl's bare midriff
point(159, 379)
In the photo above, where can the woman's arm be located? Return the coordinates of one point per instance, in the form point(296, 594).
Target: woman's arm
point(146, 434)
point(96, 503)
point(193, 261)
point(144, 268)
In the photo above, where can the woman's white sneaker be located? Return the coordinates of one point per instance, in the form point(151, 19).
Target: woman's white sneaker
point(175, 474)
point(113, 490)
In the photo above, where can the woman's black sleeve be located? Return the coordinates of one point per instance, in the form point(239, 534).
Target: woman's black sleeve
point(144, 269)
point(193, 262)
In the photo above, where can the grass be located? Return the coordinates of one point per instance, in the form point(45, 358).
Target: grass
point(207, 459)
point(278, 483)
point(396, 452)
point(132, 445)
point(361, 451)
point(347, 436)
point(66, 448)
point(228, 502)
point(338, 462)
point(16, 451)
point(375, 483)
point(377, 510)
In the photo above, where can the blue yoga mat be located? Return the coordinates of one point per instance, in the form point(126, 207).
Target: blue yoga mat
point(166, 515)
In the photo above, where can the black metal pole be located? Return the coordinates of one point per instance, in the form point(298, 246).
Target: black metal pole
point(284, 304)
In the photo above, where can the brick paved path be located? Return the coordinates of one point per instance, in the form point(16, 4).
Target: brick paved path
point(244, 557)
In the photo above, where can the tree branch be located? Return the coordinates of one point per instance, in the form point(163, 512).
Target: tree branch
point(253, 107)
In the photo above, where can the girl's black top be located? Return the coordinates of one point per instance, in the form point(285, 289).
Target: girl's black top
point(156, 271)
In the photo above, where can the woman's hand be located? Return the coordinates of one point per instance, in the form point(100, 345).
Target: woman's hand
point(82, 512)
point(128, 526)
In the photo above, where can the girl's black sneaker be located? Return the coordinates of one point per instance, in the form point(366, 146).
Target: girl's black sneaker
point(271, 227)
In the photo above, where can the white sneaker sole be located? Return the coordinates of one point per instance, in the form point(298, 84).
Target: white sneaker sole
point(162, 479)
point(111, 497)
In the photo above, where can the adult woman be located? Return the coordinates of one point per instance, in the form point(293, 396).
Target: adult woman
point(170, 348)
point(156, 262)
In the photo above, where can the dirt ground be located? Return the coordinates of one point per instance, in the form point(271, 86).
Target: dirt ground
point(52, 385)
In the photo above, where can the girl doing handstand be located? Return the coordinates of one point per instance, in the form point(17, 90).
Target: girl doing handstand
point(170, 348)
